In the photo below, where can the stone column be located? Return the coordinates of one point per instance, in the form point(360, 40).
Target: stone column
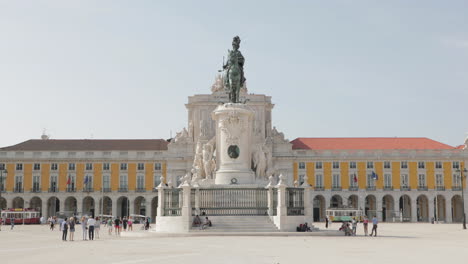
point(186, 206)
point(414, 210)
point(160, 209)
point(44, 208)
point(79, 205)
point(197, 201)
point(62, 204)
point(448, 209)
point(270, 200)
point(114, 207)
point(282, 209)
point(308, 204)
point(130, 206)
point(9, 202)
point(379, 208)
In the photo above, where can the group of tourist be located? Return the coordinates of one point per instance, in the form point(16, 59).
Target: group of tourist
point(91, 226)
point(349, 228)
point(197, 222)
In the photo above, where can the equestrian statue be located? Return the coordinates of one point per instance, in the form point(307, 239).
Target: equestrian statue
point(234, 71)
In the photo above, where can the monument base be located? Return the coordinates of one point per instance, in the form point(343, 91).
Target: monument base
point(226, 177)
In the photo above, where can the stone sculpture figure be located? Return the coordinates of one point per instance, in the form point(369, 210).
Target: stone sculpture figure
point(234, 71)
point(198, 162)
point(208, 161)
point(260, 162)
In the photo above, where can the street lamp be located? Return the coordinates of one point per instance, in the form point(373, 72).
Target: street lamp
point(463, 198)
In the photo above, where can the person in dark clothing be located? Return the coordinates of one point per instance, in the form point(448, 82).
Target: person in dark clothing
point(125, 222)
point(64, 230)
point(117, 226)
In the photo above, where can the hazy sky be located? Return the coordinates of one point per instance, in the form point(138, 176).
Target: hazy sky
point(124, 69)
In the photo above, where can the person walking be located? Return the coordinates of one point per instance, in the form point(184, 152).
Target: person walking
point(91, 223)
point(365, 223)
point(97, 227)
point(125, 222)
point(84, 227)
point(72, 228)
point(130, 224)
point(12, 223)
point(51, 222)
point(374, 225)
point(354, 225)
point(117, 226)
point(64, 228)
point(109, 226)
point(326, 221)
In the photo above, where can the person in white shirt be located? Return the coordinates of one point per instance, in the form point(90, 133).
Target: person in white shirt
point(91, 223)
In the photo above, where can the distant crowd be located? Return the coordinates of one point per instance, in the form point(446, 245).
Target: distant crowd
point(91, 227)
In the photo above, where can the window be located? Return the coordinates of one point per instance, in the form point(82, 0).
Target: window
point(53, 183)
point(53, 166)
point(353, 179)
point(318, 165)
point(336, 181)
point(301, 165)
point(370, 180)
point(157, 180)
point(386, 164)
point(456, 165)
point(140, 181)
point(37, 166)
point(301, 179)
point(456, 180)
point(319, 180)
point(2, 184)
point(123, 183)
point(71, 166)
point(106, 166)
point(157, 166)
point(438, 165)
point(404, 180)
point(141, 166)
point(352, 165)
point(404, 164)
point(387, 180)
point(106, 181)
point(336, 165)
point(72, 184)
point(89, 166)
point(18, 183)
point(2, 166)
point(123, 166)
point(36, 183)
point(439, 180)
point(19, 166)
point(370, 165)
point(88, 182)
point(422, 180)
point(421, 165)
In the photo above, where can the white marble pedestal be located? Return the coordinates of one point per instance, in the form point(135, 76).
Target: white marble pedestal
point(233, 140)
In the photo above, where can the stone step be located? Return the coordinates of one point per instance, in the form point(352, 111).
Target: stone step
point(239, 224)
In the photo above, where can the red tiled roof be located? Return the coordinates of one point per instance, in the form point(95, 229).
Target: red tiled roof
point(368, 143)
point(89, 144)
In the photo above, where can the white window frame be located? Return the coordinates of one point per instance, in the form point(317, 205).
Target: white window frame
point(106, 181)
point(319, 180)
point(123, 181)
point(422, 181)
point(140, 181)
point(336, 180)
point(388, 180)
point(440, 180)
point(319, 165)
point(404, 165)
point(301, 165)
point(335, 165)
point(404, 180)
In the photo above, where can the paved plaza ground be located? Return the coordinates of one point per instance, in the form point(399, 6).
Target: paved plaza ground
point(396, 243)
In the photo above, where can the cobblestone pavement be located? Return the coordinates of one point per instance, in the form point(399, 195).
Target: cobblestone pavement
point(396, 243)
